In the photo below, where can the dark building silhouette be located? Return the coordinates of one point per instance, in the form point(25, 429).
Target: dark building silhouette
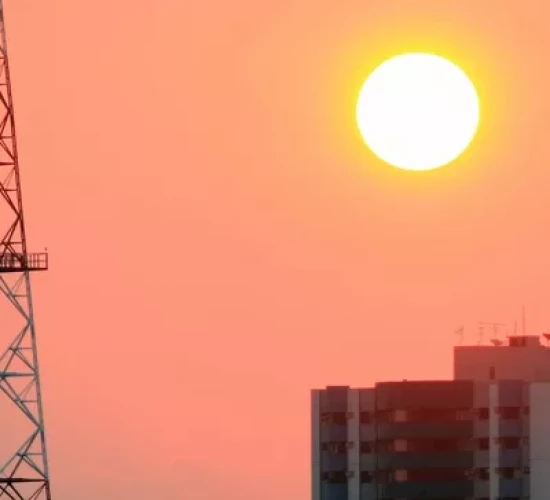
point(484, 437)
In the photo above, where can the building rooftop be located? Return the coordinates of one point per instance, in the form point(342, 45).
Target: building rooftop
point(521, 357)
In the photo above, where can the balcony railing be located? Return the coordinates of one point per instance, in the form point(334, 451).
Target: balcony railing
point(19, 262)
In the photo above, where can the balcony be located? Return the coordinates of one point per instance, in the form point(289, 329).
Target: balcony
point(19, 262)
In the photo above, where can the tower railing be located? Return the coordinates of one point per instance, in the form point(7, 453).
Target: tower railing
point(20, 262)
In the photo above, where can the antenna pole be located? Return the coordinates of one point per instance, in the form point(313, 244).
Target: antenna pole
point(523, 320)
point(481, 332)
point(460, 333)
point(494, 326)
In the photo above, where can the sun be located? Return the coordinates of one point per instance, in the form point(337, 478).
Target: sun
point(418, 111)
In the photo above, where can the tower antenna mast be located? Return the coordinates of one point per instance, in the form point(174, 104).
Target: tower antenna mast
point(24, 475)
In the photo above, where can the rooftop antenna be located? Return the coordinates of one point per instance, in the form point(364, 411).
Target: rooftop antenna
point(495, 326)
point(460, 333)
point(480, 334)
point(523, 321)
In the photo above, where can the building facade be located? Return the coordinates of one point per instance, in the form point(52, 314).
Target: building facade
point(483, 439)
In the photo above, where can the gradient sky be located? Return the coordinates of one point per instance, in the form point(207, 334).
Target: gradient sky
point(222, 241)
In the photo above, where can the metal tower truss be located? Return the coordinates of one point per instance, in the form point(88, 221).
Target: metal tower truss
point(24, 473)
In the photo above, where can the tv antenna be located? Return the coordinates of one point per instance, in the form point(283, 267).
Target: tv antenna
point(495, 327)
point(459, 332)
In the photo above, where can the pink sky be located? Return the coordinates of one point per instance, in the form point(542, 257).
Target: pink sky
point(222, 242)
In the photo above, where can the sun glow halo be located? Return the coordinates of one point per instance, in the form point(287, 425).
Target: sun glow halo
point(418, 111)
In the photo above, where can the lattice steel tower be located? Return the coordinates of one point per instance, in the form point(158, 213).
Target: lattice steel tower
point(24, 476)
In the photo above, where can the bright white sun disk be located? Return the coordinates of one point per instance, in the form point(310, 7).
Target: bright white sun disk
point(418, 111)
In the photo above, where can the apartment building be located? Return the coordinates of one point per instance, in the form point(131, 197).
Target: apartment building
point(483, 436)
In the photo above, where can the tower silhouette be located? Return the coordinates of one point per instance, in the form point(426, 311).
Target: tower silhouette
point(24, 475)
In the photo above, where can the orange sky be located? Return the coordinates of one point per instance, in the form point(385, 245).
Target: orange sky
point(222, 242)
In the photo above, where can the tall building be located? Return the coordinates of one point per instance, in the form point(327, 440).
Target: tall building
point(483, 436)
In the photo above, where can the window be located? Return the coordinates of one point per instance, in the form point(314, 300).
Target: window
point(334, 477)
point(483, 413)
point(464, 415)
point(417, 445)
point(483, 444)
point(439, 474)
point(366, 477)
point(365, 417)
point(366, 447)
point(471, 474)
point(334, 417)
point(335, 447)
point(439, 414)
point(400, 475)
point(424, 445)
point(383, 476)
point(447, 445)
point(384, 445)
point(400, 416)
point(383, 416)
point(509, 413)
point(483, 473)
point(509, 443)
point(452, 445)
point(506, 472)
point(400, 445)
